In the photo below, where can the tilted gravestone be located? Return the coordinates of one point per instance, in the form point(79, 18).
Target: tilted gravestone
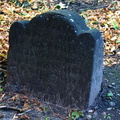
point(56, 57)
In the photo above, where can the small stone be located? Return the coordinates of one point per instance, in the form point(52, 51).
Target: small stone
point(112, 103)
point(96, 107)
point(113, 83)
point(118, 94)
point(95, 114)
point(111, 86)
point(104, 113)
point(90, 111)
point(89, 117)
point(109, 108)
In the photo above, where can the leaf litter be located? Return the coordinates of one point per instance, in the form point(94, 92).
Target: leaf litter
point(106, 20)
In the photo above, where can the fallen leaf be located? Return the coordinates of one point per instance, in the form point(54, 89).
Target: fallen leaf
point(1, 29)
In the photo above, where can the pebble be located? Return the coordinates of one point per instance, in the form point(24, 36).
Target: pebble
point(96, 107)
point(112, 103)
point(109, 108)
point(89, 117)
point(111, 86)
point(113, 83)
point(95, 114)
point(118, 94)
point(104, 113)
point(90, 111)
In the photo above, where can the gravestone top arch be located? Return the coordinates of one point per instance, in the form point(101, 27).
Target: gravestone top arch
point(56, 57)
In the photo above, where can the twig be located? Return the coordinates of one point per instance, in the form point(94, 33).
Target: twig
point(11, 108)
point(14, 117)
point(21, 112)
point(25, 112)
point(1, 98)
point(65, 108)
point(56, 114)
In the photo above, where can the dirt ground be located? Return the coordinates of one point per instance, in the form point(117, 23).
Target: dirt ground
point(14, 106)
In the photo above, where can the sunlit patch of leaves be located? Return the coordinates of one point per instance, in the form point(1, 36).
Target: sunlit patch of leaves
point(75, 114)
point(1, 89)
point(46, 118)
point(107, 116)
point(109, 96)
point(106, 20)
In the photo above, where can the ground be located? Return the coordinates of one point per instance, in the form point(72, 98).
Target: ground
point(14, 106)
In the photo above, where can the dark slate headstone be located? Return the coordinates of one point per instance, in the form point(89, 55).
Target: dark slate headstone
point(57, 58)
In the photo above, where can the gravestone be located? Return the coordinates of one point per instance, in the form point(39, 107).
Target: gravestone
point(57, 58)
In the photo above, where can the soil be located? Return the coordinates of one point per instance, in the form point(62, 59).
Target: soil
point(14, 106)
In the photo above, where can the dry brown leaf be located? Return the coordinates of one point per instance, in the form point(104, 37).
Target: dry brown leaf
point(24, 117)
point(39, 109)
point(1, 29)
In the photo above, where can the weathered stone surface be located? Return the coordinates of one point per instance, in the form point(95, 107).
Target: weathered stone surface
point(56, 57)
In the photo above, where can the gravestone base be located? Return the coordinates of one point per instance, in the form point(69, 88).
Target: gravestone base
point(57, 58)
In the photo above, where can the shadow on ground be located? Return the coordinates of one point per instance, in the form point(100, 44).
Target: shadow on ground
point(14, 106)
